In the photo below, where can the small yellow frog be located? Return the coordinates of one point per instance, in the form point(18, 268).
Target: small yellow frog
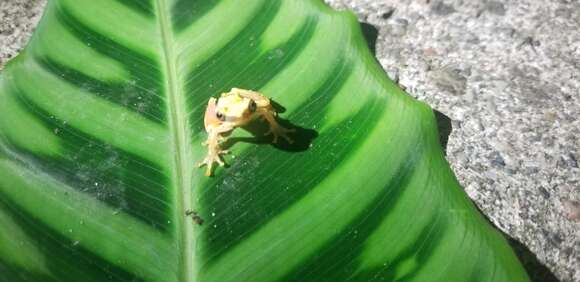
point(232, 110)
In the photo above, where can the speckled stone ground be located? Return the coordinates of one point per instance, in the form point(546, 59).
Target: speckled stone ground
point(18, 19)
point(507, 73)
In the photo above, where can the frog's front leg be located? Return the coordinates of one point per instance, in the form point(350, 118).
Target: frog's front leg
point(214, 151)
point(276, 129)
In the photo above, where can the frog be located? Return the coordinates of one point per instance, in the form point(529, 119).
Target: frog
point(234, 109)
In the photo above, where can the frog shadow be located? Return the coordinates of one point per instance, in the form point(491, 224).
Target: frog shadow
point(301, 137)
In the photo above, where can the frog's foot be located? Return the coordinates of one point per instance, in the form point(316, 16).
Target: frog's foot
point(279, 131)
point(211, 158)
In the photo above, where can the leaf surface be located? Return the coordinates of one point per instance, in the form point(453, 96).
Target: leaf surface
point(101, 124)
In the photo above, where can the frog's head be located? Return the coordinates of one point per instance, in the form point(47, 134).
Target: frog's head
point(234, 108)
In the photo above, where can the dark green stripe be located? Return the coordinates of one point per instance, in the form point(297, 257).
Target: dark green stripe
point(146, 78)
point(186, 12)
point(65, 259)
point(125, 94)
point(2, 152)
point(144, 7)
point(12, 273)
point(118, 178)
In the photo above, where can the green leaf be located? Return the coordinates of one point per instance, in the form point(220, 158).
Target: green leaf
point(101, 124)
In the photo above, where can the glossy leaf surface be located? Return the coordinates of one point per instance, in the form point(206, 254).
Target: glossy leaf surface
point(101, 124)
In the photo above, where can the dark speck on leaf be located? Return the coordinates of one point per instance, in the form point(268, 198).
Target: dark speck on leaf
point(194, 216)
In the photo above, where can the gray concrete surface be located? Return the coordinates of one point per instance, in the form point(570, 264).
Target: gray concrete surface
point(18, 19)
point(507, 73)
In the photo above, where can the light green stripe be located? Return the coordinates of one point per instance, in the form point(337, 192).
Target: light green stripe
point(117, 22)
point(18, 249)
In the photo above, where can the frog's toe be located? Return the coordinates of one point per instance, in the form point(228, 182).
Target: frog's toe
point(219, 161)
point(210, 160)
point(280, 132)
point(207, 163)
point(273, 133)
point(287, 138)
point(202, 163)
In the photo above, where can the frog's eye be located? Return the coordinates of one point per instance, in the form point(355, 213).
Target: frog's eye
point(220, 116)
point(252, 106)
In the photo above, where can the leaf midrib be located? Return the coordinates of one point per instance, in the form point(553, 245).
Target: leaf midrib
point(180, 139)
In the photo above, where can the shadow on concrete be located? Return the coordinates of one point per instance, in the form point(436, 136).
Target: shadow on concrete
point(371, 33)
point(444, 127)
point(537, 271)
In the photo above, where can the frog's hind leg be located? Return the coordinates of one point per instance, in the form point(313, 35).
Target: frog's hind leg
point(276, 129)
